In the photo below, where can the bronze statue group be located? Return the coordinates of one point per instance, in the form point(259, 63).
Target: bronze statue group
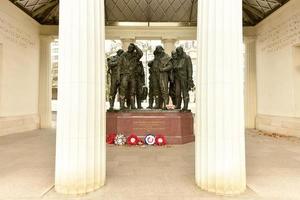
point(168, 77)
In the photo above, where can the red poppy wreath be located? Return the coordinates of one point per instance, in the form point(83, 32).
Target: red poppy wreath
point(132, 140)
point(110, 139)
point(160, 140)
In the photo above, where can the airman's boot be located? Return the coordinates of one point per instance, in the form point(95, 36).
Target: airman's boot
point(157, 102)
point(165, 103)
point(128, 103)
point(122, 104)
point(111, 103)
point(178, 103)
point(174, 101)
point(132, 103)
point(185, 104)
point(139, 103)
point(150, 103)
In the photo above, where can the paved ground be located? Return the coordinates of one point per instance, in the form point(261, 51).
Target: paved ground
point(27, 170)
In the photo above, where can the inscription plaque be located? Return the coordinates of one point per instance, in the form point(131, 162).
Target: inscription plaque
point(14, 33)
point(284, 33)
point(149, 124)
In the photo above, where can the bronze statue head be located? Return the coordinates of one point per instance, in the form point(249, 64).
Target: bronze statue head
point(131, 47)
point(179, 51)
point(159, 50)
point(150, 64)
point(174, 54)
point(120, 52)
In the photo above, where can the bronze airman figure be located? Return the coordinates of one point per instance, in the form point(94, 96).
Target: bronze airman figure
point(129, 62)
point(183, 70)
point(114, 71)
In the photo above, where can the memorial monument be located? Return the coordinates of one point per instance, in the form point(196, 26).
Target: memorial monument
point(169, 77)
point(141, 89)
point(128, 64)
point(183, 70)
point(162, 65)
point(114, 72)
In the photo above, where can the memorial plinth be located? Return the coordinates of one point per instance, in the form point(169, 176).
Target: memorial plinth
point(177, 126)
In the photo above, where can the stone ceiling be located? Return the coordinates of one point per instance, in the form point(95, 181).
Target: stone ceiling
point(185, 11)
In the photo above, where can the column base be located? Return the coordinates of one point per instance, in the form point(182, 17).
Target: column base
point(73, 191)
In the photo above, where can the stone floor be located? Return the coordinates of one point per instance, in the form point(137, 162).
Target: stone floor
point(156, 173)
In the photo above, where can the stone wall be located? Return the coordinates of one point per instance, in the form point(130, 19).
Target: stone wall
point(289, 126)
point(19, 69)
point(278, 58)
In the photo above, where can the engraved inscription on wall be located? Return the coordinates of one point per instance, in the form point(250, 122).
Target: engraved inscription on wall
point(149, 125)
point(13, 33)
point(285, 33)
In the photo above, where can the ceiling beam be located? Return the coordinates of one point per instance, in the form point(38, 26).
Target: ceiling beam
point(280, 1)
point(16, 3)
point(105, 9)
point(148, 15)
point(253, 10)
point(191, 13)
point(248, 18)
point(269, 4)
point(44, 8)
point(53, 10)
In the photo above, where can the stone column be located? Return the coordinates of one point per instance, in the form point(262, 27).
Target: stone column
point(219, 124)
point(250, 82)
point(45, 82)
point(169, 45)
point(80, 144)
point(126, 42)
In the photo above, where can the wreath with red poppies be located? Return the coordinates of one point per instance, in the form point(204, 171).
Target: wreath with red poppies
point(110, 139)
point(132, 139)
point(160, 140)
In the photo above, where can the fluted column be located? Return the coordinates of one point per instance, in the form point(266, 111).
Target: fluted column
point(80, 144)
point(169, 44)
point(45, 82)
point(220, 142)
point(250, 82)
point(126, 42)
